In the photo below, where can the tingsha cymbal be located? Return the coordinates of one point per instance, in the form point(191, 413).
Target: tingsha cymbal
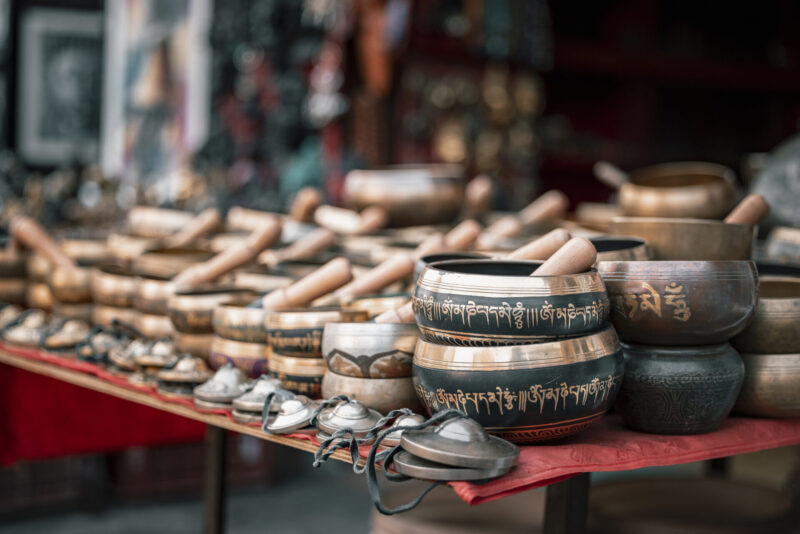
point(460, 442)
point(413, 466)
point(294, 414)
point(393, 438)
point(253, 400)
point(246, 417)
point(351, 415)
point(226, 384)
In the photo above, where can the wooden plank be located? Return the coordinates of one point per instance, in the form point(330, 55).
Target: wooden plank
point(97, 384)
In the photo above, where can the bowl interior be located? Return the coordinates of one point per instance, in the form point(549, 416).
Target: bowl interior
point(489, 267)
point(615, 244)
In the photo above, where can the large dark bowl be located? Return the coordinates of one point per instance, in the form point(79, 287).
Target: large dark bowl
point(523, 393)
point(679, 390)
point(497, 302)
point(680, 302)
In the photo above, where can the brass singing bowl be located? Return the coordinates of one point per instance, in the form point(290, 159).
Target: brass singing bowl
point(375, 305)
point(86, 251)
point(770, 387)
point(613, 248)
point(775, 328)
point(192, 311)
point(113, 286)
point(424, 261)
point(252, 358)
point(299, 375)
point(70, 285)
point(370, 350)
point(241, 323)
point(168, 262)
point(381, 394)
point(195, 344)
point(38, 295)
point(497, 302)
point(154, 326)
point(125, 248)
point(411, 194)
point(689, 239)
point(298, 331)
point(523, 393)
point(13, 290)
point(152, 293)
point(680, 302)
point(686, 189)
point(103, 315)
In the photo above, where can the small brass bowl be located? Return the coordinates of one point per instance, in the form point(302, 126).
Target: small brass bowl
point(496, 302)
point(771, 386)
point(81, 311)
point(370, 350)
point(377, 304)
point(252, 358)
point(682, 189)
point(680, 302)
point(298, 332)
point(613, 248)
point(191, 312)
point(38, 295)
point(240, 323)
point(13, 290)
point(154, 326)
point(169, 262)
point(689, 239)
point(113, 286)
point(103, 315)
point(70, 285)
point(195, 344)
point(775, 328)
point(152, 293)
point(523, 393)
point(381, 394)
point(299, 375)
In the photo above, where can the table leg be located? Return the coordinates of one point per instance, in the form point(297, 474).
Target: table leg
point(566, 506)
point(214, 481)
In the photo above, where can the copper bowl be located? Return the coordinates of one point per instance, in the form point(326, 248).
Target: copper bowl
point(298, 332)
point(195, 344)
point(152, 293)
point(497, 302)
point(154, 326)
point(775, 328)
point(240, 323)
point(680, 302)
point(169, 262)
point(191, 312)
point(113, 286)
point(771, 385)
point(689, 239)
point(411, 194)
point(299, 375)
point(13, 290)
point(377, 304)
point(381, 394)
point(103, 315)
point(252, 358)
point(370, 350)
point(687, 189)
point(71, 285)
point(523, 393)
point(613, 248)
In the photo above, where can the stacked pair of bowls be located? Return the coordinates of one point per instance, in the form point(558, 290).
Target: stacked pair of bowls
point(241, 338)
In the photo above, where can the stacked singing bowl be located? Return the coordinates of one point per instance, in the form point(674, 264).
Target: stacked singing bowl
point(295, 338)
point(13, 276)
point(371, 363)
point(531, 358)
point(113, 291)
point(770, 348)
point(241, 338)
point(675, 319)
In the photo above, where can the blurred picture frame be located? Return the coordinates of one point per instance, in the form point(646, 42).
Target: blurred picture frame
point(59, 86)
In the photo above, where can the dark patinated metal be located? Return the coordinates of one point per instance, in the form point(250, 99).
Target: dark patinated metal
point(770, 387)
point(381, 394)
point(775, 328)
point(399, 424)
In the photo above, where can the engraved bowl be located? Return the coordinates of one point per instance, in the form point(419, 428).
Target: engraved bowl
point(192, 311)
point(680, 302)
point(496, 302)
point(370, 350)
point(252, 358)
point(298, 331)
point(771, 386)
point(523, 393)
point(299, 375)
point(381, 394)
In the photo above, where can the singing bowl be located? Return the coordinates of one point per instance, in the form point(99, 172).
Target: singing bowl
point(13, 290)
point(299, 375)
point(496, 302)
point(613, 248)
point(370, 350)
point(192, 312)
point(523, 393)
point(240, 323)
point(125, 248)
point(686, 189)
point(168, 262)
point(298, 332)
point(381, 394)
point(195, 344)
point(154, 326)
point(70, 285)
point(775, 327)
point(113, 286)
point(103, 315)
point(81, 311)
point(377, 304)
point(689, 239)
point(38, 295)
point(411, 194)
point(679, 390)
point(680, 302)
point(424, 261)
point(771, 386)
point(252, 358)
point(152, 293)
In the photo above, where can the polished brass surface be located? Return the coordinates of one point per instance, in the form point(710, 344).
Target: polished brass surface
point(113, 286)
point(370, 350)
point(104, 315)
point(70, 284)
point(614, 248)
point(152, 294)
point(689, 239)
point(400, 424)
point(241, 323)
point(195, 344)
point(352, 415)
point(775, 328)
point(381, 394)
point(192, 311)
point(680, 302)
point(154, 326)
point(771, 385)
point(38, 295)
point(158, 354)
point(292, 366)
point(375, 305)
point(239, 349)
point(169, 262)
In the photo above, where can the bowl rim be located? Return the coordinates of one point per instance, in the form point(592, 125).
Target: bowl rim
point(675, 221)
point(370, 329)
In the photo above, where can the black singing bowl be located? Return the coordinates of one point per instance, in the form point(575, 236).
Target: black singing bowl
point(679, 390)
point(497, 302)
point(523, 393)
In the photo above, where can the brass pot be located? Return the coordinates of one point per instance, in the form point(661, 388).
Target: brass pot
point(252, 358)
point(689, 239)
point(381, 394)
point(771, 386)
point(191, 312)
point(299, 375)
point(775, 328)
point(195, 344)
point(113, 286)
point(370, 350)
point(298, 332)
point(168, 262)
point(13, 290)
point(686, 189)
point(613, 248)
point(680, 302)
point(154, 326)
point(103, 315)
point(240, 323)
point(411, 194)
point(70, 285)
